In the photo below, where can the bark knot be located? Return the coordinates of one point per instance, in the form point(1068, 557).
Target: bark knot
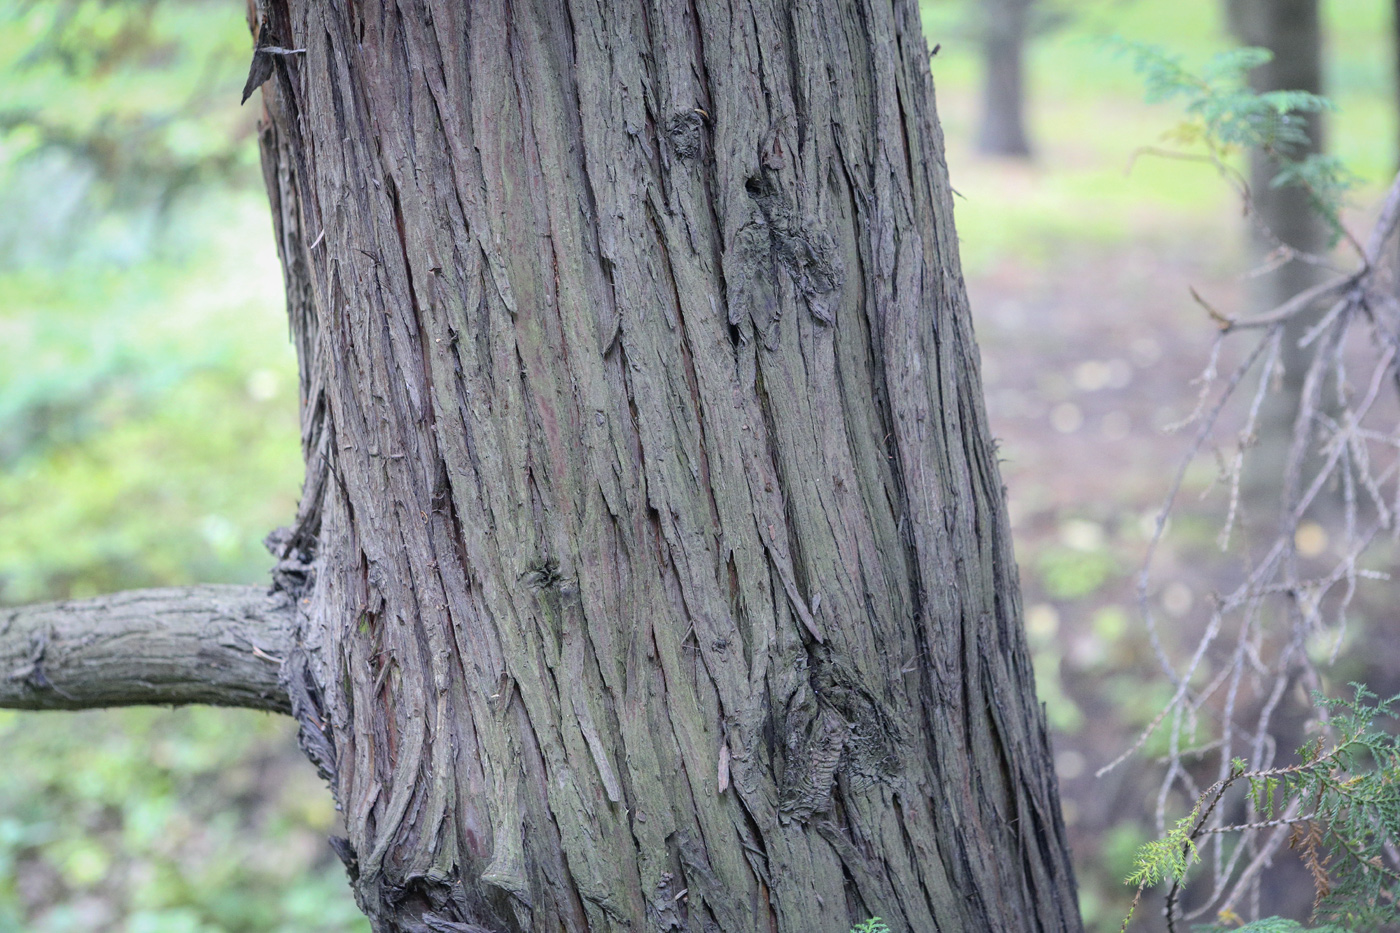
point(686, 131)
point(834, 728)
point(778, 239)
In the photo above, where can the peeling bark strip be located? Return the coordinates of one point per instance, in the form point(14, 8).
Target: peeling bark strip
point(659, 575)
point(218, 645)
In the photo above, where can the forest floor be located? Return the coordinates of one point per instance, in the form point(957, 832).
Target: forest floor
point(1089, 352)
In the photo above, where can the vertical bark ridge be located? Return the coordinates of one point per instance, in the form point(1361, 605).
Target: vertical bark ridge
point(660, 572)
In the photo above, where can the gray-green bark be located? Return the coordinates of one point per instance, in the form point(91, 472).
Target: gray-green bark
point(217, 645)
point(657, 567)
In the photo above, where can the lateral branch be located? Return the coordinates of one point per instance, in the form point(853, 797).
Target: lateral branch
point(215, 645)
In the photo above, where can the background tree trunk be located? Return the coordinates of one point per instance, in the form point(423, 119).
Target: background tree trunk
point(1395, 64)
point(1283, 217)
point(652, 560)
point(1292, 30)
point(1004, 25)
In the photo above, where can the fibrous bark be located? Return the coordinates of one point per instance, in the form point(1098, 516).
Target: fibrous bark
point(653, 562)
point(218, 645)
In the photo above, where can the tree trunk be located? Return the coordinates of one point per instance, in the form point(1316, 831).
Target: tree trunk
point(1291, 29)
point(1003, 130)
point(1284, 218)
point(652, 563)
point(1395, 63)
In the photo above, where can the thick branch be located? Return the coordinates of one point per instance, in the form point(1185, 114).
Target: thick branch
point(220, 645)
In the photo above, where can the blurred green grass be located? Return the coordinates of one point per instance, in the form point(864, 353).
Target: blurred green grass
point(163, 820)
point(148, 437)
point(1085, 189)
point(157, 409)
point(150, 419)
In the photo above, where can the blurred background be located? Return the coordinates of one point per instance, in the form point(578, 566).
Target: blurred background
point(148, 436)
point(148, 430)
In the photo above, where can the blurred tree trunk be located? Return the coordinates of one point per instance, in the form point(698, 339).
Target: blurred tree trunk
point(1291, 29)
point(1395, 51)
point(652, 565)
point(1004, 27)
point(1283, 219)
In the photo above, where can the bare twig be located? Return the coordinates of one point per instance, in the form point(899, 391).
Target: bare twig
point(1257, 640)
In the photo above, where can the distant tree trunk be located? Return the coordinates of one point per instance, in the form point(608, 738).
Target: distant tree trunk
point(1004, 28)
point(652, 569)
point(1291, 29)
point(1395, 52)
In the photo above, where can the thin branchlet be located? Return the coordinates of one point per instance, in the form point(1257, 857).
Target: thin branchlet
point(1277, 628)
point(1331, 808)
